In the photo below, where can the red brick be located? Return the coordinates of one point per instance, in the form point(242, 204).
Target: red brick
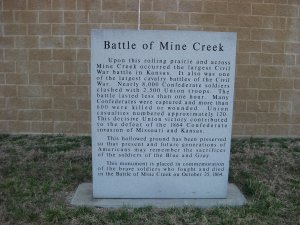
point(272, 47)
point(26, 17)
point(101, 17)
point(64, 79)
point(8, 114)
point(65, 103)
point(19, 126)
point(226, 20)
point(291, 71)
point(15, 29)
point(52, 91)
point(64, 54)
point(78, 115)
point(244, 118)
point(281, 107)
point(41, 103)
point(177, 18)
point(297, 83)
point(278, 130)
point(242, 33)
point(89, 4)
point(238, 129)
point(40, 54)
point(39, 4)
point(8, 91)
point(282, 83)
point(15, 54)
point(27, 42)
point(27, 67)
point(293, 22)
point(243, 58)
point(42, 127)
point(241, 82)
point(76, 42)
point(83, 54)
point(78, 92)
point(239, 8)
point(53, 115)
point(271, 71)
point(17, 103)
point(76, 67)
point(269, 95)
point(255, 129)
point(274, 22)
point(293, 48)
point(83, 79)
point(283, 35)
point(277, 1)
point(75, 16)
point(39, 29)
point(165, 5)
point(261, 58)
point(7, 66)
point(246, 94)
point(190, 6)
point(64, 4)
point(29, 114)
point(202, 19)
point(126, 17)
point(261, 83)
point(14, 4)
point(287, 10)
point(40, 79)
point(239, 106)
point(66, 127)
point(262, 34)
point(29, 91)
point(63, 29)
point(6, 42)
point(283, 59)
point(249, 46)
point(251, 21)
point(113, 26)
point(114, 5)
point(215, 7)
point(50, 17)
point(51, 42)
point(51, 67)
point(152, 18)
point(84, 104)
point(133, 5)
point(6, 16)
point(267, 118)
point(263, 9)
point(256, 106)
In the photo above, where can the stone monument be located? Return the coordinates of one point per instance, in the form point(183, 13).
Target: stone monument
point(162, 104)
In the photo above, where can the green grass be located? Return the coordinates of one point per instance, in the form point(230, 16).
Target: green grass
point(38, 174)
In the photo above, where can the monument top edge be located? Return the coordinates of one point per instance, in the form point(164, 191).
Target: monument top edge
point(95, 31)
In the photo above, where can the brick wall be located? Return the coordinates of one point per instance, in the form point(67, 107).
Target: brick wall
point(45, 58)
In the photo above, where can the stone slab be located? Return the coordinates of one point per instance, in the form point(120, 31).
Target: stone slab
point(84, 197)
point(162, 104)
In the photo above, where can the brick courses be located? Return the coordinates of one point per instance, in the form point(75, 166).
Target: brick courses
point(45, 58)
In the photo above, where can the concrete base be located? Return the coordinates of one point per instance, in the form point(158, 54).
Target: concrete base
point(84, 197)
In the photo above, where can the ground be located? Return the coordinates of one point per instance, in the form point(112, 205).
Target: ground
point(38, 174)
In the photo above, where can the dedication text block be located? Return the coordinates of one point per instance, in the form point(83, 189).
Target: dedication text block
point(162, 106)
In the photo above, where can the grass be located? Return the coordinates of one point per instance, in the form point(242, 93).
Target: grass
point(39, 173)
